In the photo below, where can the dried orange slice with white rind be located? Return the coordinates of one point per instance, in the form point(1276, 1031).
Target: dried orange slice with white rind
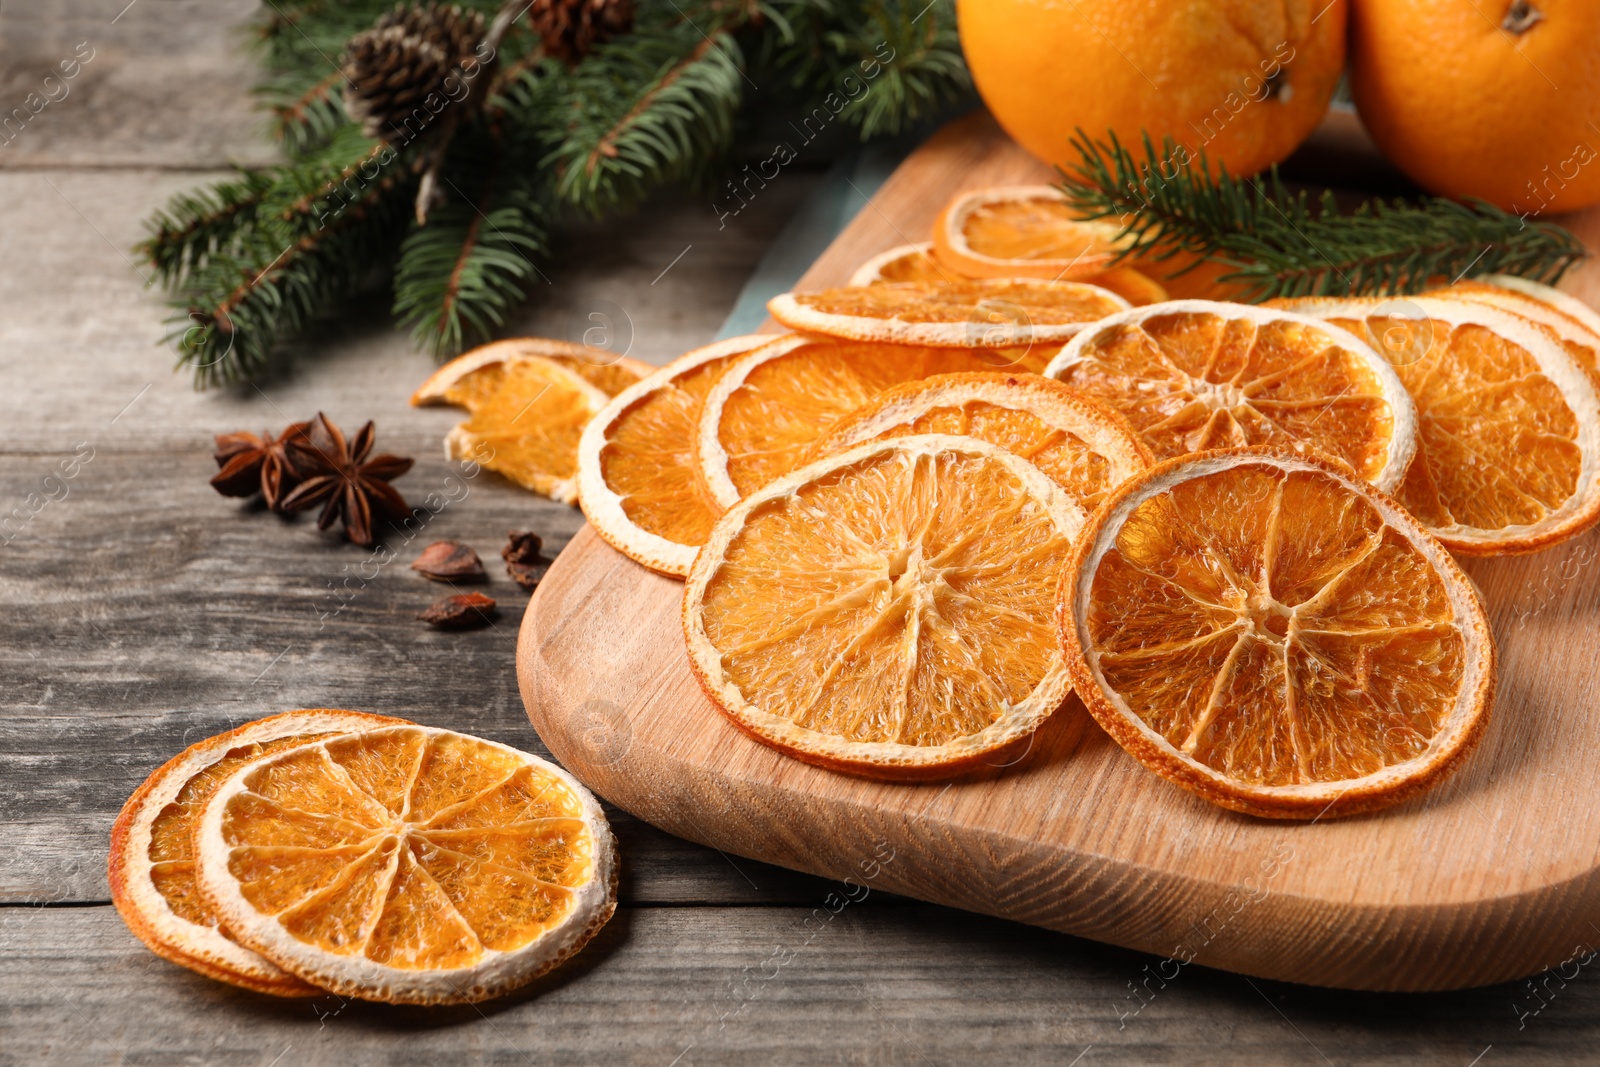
point(887, 611)
point(1023, 231)
point(917, 263)
point(152, 862)
point(600, 367)
point(527, 414)
point(972, 313)
point(760, 419)
point(637, 481)
point(1083, 447)
point(1196, 375)
point(1577, 324)
point(904, 263)
point(1275, 635)
point(1508, 421)
point(407, 864)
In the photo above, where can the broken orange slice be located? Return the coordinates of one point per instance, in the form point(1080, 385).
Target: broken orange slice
point(986, 313)
point(1271, 633)
point(637, 481)
point(1193, 375)
point(529, 400)
point(152, 868)
point(407, 864)
point(887, 610)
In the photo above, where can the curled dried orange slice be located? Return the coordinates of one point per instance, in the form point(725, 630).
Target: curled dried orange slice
point(407, 864)
point(1022, 231)
point(152, 868)
point(636, 474)
point(985, 313)
point(529, 401)
point(1508, 422)
point(1193, 375)
point(1269, 632)
point(887, 610)
point(917, 263)
point(760, 419)
point(1083, 447)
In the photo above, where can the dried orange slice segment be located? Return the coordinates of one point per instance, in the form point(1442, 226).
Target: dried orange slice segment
point(917, 263)
point(152, 868)
point(1271, 633)
point(887, 610)
point(1508, 422)
point(1193, 375)
point(1083, 447)
point(529, 401)
point(982, 313)
point(1023, 231)
point(1576, 323)
point(760, 419)
point(636, 474)
point(407, 864)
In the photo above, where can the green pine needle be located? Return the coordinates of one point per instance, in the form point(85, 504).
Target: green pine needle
point(644, 111)
point(1283, 244)
point(461, 274)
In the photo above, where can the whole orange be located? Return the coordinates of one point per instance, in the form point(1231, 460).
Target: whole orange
point(1498, 99)
point(1245, 80)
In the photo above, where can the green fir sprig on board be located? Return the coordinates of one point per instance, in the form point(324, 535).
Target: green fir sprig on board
point(254, 260)
point(1280, 243)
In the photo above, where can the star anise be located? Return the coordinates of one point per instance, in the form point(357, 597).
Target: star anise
point(257, 463)
point(340, 476)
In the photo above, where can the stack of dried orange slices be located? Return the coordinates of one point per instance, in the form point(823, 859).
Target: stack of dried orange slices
point(1001, 460)
point(367, 856)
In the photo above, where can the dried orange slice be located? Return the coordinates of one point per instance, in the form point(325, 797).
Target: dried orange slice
point(1193, 375)
point(152, 868)
point(407, 864)
point(887, 610)
point(1083, 447)
point(916, 263)
point(636, 474)
point(905, 263)
point(1508, 422)
point(1023, 231)
point(1271, 633)
point(984, 313)
point(529, 401)
point(1576, 323)
point(760, 419)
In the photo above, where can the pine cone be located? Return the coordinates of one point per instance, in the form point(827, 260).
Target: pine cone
point(569, 28)
point(391, 69)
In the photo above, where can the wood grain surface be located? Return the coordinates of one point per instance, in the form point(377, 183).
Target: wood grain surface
point(1491, 876)
point(141, 612)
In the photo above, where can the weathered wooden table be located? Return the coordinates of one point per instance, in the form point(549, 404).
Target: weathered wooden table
point(140, 612)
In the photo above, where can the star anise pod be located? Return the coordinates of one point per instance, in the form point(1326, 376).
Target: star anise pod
point(257, 463)
point(349, 485)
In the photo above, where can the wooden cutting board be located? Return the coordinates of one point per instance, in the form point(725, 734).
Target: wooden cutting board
point(1492, 876)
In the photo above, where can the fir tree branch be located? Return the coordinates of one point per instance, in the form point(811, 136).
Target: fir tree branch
point(195, 226)
point(1282, 244)
point(645, 110)
point(306, 120)
point(460, 275)
point(318, 229)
